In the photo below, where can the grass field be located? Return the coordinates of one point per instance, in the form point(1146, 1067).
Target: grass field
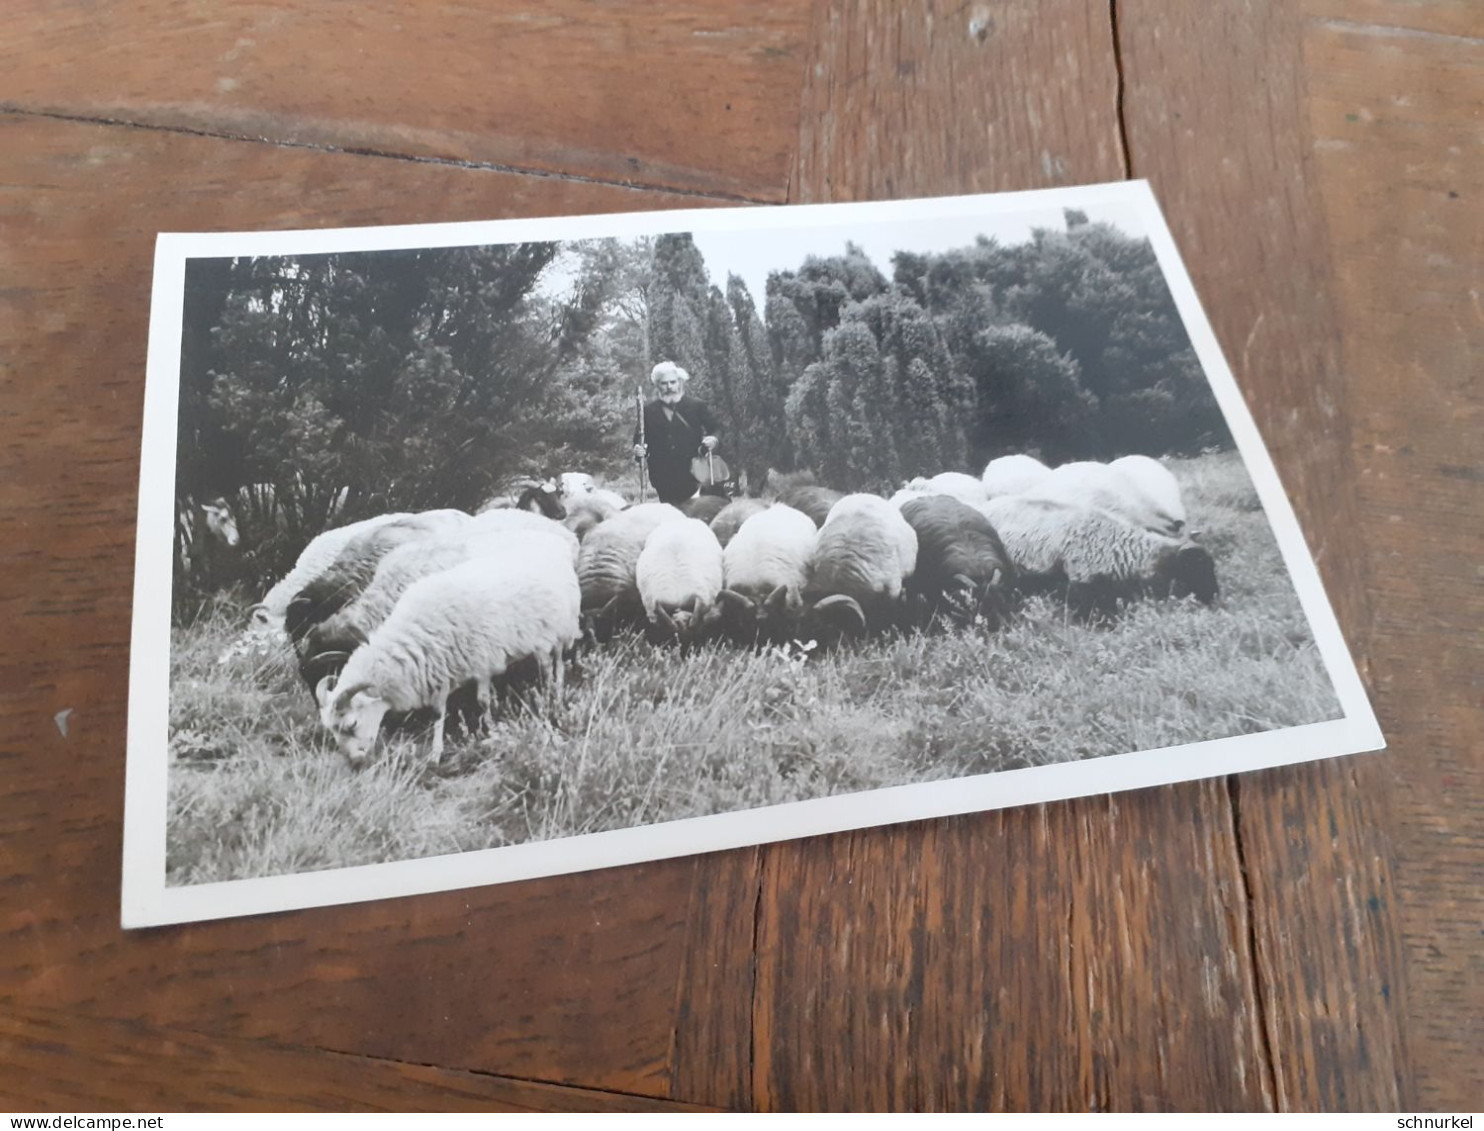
point(643, 736)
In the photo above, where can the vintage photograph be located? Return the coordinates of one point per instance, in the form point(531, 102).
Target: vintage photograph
point(511, 541)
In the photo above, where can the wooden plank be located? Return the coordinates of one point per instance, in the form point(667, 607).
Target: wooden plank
point(1214, 104)
point(697, 95)
point(930, 99)
point(576, 980)
point(138, 1068)
point(918, 966)
point(1389, 19)
point(1399, 157)
point(1072, 956)
point(711, 1061)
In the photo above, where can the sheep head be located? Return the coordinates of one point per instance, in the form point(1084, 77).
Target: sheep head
point(837, 617)
point(353, 715)
point(1193, 574)
point(686, 625)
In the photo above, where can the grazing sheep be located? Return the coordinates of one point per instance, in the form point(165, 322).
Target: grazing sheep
point(705, 507)
point(606, 563)
point(956, 485)
point(1099, 558)
point(465, 624)
point(355, 565)
point(726, 524)
point(1012, 475)
point(812, 500)
point(538, 497)
point(764, 570)
point(518, 522)
point(960, 559)
point(1156, 481)
point(326, 646)
point(865, 553)
point(678, 574)
point(1103, 488)
point(315, 559)
point(587, 510)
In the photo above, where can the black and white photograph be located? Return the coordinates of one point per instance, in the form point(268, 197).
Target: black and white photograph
point(480, 552)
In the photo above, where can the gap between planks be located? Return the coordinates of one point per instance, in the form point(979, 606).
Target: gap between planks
point(366, 151)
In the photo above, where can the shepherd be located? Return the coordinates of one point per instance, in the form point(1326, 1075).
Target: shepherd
point(673, 430)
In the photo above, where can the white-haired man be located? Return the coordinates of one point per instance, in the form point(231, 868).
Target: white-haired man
point(676, 429)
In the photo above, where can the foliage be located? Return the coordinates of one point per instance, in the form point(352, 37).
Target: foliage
point(331, 387)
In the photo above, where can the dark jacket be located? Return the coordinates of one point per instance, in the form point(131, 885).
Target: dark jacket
point(673, 434)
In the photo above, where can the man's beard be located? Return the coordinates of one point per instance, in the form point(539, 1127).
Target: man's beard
point(672, 398)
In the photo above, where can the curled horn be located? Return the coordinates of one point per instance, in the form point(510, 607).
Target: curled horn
point(334, 654)
point(322, 692)
point(827, 608)
point(732, 599)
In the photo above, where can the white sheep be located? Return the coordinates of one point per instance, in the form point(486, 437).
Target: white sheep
point(588, 510)
point(1101, 557)
point(315, 559)
point(465, 624)
point(607, 560)
point(726, 524)
point(678, 575)
point(1100, 487)
point(866, 552)
point(1012, 475)
point(518, 521)
point(326, 645)
point(765, 567)
point(1156, 481)
point(355, 565)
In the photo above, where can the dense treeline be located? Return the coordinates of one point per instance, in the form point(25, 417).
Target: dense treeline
point(357, 383)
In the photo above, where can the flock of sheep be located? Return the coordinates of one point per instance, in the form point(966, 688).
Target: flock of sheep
point(400, 612)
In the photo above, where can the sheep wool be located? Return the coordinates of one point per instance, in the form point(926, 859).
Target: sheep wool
point(1012, 475)
point(610, 553)
point(327, 644)
point(315, 559)
point(726, 524)
point(1046, 539)
point(772, 549)
point(468, 623)
point(680, 566)
point(1156, 481)
point(1100, 487)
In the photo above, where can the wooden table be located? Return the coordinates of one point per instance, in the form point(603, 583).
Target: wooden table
point(1301, 938)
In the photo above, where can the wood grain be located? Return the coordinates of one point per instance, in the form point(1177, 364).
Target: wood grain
point(576, 979)
point(919, 967)
point(931, 99)
point(1214, 105)
point(700, 96)
point(137, 1068)
point(1088, 955)
point(1400, 158)
point(1303, 938)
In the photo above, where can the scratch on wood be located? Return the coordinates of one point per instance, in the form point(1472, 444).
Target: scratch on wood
point(1389, 31)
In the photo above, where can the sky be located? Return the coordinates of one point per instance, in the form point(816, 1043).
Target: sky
point(752, 254)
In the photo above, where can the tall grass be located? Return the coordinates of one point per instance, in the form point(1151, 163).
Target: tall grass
point(644, 735)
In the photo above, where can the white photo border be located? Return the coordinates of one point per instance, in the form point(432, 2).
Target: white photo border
point(147, 901)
